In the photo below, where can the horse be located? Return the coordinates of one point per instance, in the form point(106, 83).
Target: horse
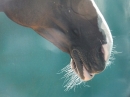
point(77, 27)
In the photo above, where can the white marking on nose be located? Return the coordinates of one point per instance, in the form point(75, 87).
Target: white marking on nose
point(103, 27)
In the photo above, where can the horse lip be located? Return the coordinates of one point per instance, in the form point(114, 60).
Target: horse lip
point(86, 75)
point(76, 69)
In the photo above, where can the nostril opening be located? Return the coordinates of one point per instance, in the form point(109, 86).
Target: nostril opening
point(92, 75)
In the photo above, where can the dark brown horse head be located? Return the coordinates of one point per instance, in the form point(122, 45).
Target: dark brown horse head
point(75, 26)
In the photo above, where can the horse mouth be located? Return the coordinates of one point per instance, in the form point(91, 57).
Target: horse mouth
point(79, 67)
point(83, 74)
point(84, 70)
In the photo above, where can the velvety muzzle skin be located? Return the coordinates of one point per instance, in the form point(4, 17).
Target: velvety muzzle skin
point(87, 67)
point(82, 69)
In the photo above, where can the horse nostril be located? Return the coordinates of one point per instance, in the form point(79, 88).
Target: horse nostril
point(92, 74)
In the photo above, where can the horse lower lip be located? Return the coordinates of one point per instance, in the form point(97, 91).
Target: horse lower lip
point(77, 68)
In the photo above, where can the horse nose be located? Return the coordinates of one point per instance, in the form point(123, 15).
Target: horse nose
point(92, 74)
point(87, 76)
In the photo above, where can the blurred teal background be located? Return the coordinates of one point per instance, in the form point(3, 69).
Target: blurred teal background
point(29, 64)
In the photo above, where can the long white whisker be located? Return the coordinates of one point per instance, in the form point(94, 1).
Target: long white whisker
point(71, 78)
